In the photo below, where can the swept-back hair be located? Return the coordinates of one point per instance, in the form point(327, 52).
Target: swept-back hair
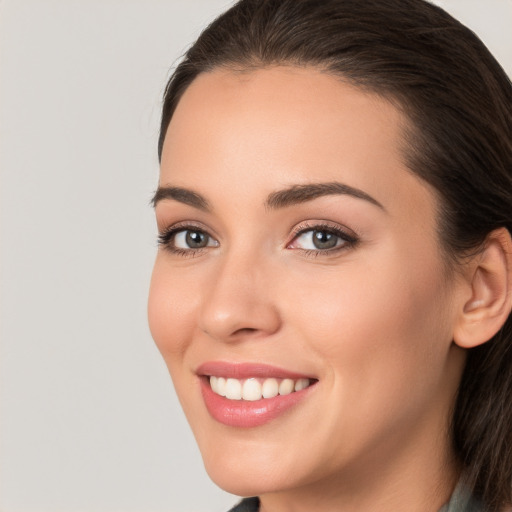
point(458, 101)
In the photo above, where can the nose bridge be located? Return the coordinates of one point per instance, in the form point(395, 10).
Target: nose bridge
point(240, 301)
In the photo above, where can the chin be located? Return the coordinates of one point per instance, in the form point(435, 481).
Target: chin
point(244, 479)
point(251, 470)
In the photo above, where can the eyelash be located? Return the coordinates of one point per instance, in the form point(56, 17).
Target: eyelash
point(165, 239)
point(349, 240)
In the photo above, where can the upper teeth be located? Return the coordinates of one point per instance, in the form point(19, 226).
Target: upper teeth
point(254, 389)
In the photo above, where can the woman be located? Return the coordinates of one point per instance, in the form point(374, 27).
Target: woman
point(333, 286)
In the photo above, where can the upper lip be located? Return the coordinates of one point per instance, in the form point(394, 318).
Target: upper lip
point(247, 370)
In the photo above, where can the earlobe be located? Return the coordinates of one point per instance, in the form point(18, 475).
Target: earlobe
point(490, 302)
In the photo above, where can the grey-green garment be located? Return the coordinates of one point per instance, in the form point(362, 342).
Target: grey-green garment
point(460, 501)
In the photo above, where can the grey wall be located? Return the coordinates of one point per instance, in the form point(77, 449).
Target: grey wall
point(89, 421)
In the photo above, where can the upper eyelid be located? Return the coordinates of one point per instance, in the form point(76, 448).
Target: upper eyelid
point(184, 226)
point(297, 230)
point(319, 225)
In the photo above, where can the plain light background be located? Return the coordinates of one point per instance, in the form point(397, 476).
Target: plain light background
point(89, 420)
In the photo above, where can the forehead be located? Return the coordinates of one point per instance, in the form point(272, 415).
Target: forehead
point(278, 108)
point(279, 126)
point(285, 101)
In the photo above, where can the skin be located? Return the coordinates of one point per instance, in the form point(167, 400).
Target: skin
point(373, 321)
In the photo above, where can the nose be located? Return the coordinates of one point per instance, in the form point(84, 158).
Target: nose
point(240, 302)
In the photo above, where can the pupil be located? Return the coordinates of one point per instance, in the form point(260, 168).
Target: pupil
point(196, 239)
point(324, 240)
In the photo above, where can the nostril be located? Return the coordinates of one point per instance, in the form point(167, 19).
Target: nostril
point(244, 330)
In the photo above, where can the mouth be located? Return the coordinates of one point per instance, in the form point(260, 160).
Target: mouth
point(248, 395)
point(253, 389)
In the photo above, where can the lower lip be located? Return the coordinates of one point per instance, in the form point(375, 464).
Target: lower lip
point(245, 413)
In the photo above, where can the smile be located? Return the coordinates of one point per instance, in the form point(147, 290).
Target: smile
point(254, 389)
point(249, 395)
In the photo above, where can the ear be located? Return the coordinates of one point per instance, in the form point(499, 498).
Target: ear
point(488, 301)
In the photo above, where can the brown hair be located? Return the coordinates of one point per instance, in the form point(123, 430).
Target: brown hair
point(459, 102)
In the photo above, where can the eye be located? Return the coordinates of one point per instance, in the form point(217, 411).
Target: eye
point(321, 238)
point(179, 239)
point(192, 239)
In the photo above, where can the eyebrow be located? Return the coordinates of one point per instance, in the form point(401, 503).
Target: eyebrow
point(182, 195)
point(295, 194)
point(303, 193)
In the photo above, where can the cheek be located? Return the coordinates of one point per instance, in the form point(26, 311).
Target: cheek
point(171, 311)
point(378, 326)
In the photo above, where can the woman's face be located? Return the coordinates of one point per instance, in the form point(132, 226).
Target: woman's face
point(298, 251)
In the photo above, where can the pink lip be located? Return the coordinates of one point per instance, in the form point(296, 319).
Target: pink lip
point(246, 370)
point(242, 413)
